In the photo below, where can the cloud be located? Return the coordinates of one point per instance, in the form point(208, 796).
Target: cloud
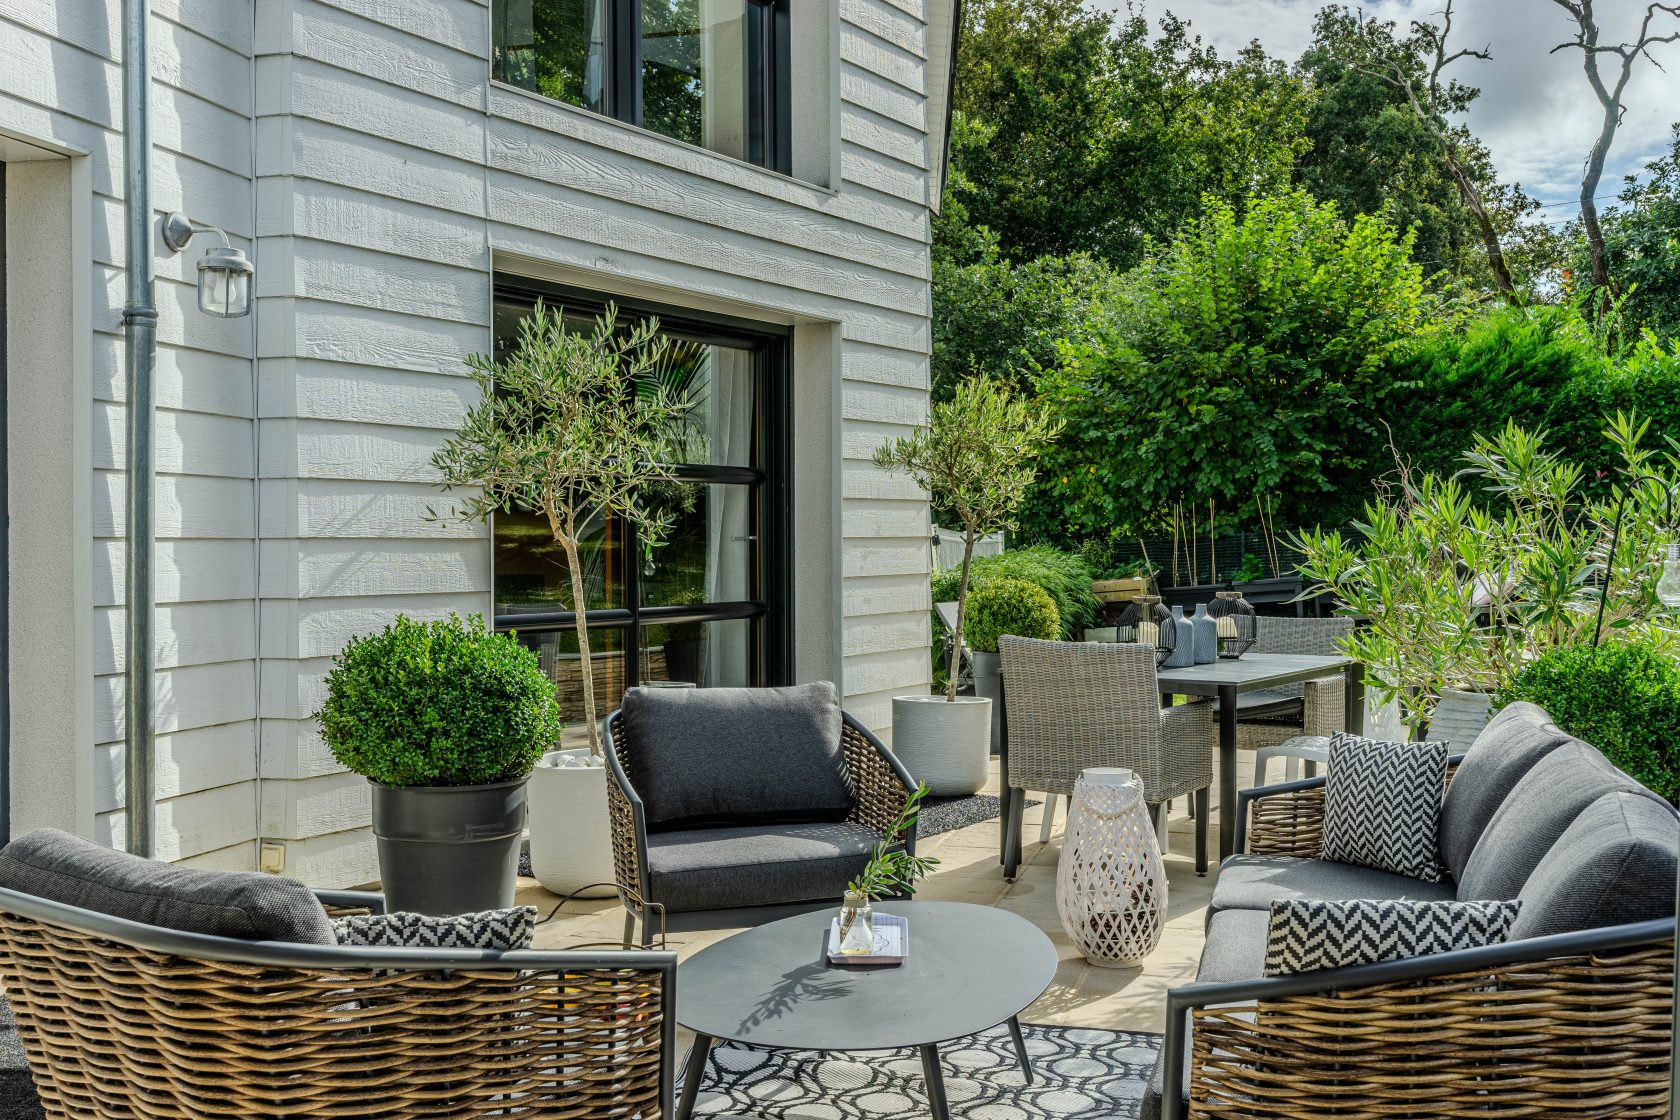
point(1536, 113)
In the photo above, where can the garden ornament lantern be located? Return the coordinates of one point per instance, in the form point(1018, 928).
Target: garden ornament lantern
point(1147, 620)
point(224, 273)
point(1234, 617)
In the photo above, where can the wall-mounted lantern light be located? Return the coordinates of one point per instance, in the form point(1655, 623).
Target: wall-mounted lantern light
point(224, 274)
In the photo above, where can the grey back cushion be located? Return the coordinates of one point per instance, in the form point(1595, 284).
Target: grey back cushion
point(1544, 803)
point(63, 868)
point(1510, 745)
point(726, 757)
point(1614, 864)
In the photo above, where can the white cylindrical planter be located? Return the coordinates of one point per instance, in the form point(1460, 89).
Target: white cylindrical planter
point(1111, 886)
point(944, 743)
point(571, 838)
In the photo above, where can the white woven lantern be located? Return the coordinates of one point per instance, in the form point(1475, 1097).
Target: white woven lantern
point(1111, 887)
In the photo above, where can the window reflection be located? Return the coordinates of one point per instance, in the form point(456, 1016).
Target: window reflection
point(694, 83)
point(553, 47)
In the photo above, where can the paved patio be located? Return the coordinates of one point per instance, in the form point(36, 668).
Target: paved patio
point(1082, 995)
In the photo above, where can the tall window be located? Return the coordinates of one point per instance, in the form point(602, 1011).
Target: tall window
point(711, 72)
point(711, 605)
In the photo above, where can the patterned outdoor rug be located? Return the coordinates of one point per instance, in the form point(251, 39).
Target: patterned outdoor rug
point(1078, 1074)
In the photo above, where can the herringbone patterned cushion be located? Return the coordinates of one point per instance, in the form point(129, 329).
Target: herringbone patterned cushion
point(1306, 935)
point(1382, 805)
point(490, 929)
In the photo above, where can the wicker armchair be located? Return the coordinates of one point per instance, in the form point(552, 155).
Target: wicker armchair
point(1073, 705)
point(121, 1019)
point(878, 782)
point(1572, 1026)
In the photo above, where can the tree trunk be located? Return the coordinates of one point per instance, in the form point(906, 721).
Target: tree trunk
point(1589, 209)
point(1490, 239)
point(955, 658)
point(586, 666)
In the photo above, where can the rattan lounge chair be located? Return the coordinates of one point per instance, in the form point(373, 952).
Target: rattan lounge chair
point(1073, 705)
point(122, 1019)
point(740, 871)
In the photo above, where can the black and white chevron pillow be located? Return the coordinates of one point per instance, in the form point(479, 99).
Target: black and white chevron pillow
point(1382, 805)
point(489, 929)
point(1307, 935)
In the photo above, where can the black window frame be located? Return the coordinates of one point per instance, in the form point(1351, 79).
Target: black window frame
point(768, 80)
point(770, 660)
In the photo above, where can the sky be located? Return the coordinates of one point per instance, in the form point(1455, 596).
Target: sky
point(1536, 113)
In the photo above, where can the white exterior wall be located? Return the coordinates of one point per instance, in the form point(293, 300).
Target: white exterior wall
point(359, 150)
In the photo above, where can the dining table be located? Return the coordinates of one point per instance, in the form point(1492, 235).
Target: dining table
point(1228, 678)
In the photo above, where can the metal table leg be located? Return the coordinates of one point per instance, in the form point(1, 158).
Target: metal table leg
point(1227, 770)
point(935, 1084)
point(1354, 694)
point(693, 1071)
point(1020, 1047)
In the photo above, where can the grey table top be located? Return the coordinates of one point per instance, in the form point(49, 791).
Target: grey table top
point(1250, 671)
point(969, 969)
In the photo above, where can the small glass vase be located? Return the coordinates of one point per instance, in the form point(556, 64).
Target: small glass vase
point(857, 926)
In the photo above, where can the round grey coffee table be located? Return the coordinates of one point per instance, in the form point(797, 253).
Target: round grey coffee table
point(969, 969)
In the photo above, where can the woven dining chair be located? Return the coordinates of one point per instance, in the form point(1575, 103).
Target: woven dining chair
point(1072, 705)
point(1268, 719)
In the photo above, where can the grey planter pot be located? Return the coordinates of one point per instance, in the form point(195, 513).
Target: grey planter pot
point(448, 849)
point(1459, 718)
point(943, 743)
point(988, 684)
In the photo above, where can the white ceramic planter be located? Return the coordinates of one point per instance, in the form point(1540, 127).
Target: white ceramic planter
point(945, 744)
point(571, 841)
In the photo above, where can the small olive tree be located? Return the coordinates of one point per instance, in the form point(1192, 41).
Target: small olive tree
point(977, 457)
point(579, 427)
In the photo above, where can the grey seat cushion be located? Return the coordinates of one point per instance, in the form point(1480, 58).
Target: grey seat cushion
point(708, 757)
point(1510, 745)
point(1251, 882)
point(63, 868)
point(1614, 864)
point(1235, 950)
point(759, 865)
point(1543, 804)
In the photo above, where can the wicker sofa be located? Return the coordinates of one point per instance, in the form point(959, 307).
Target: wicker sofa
point(726, 800)
point(160, 1019)
point(1568, 1019)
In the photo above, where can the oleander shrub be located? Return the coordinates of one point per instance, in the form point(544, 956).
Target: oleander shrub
point(441, 703)
point(1009, 606)
point(1623, 699)
point(1064, 576)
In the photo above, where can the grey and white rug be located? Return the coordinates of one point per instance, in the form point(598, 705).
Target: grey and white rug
point(1078, 1074)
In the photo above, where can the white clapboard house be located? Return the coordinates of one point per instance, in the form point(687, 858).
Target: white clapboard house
point(407, 177)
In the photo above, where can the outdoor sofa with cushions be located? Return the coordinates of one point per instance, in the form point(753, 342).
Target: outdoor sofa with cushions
point(148, 990)
point(725, 799)
point(1569, 1018)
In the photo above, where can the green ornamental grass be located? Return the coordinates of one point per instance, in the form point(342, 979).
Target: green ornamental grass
point(1623, 699)
point(441, 703)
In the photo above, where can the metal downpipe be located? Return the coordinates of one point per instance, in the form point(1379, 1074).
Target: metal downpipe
point(140, 337)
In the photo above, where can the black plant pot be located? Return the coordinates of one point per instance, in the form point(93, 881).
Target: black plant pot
point(448, 849)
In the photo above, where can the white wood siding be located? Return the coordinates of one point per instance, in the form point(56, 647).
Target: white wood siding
point(359, 149)
point(59, 82)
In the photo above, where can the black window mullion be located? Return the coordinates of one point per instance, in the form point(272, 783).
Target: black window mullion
point(624, 81)
point(633, 597)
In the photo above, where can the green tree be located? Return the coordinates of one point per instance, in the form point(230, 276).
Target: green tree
point(1381, 138)
point(1247, 356)
point(1642, 246)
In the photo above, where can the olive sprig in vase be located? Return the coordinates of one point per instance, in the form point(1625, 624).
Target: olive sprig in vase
point(891, 870)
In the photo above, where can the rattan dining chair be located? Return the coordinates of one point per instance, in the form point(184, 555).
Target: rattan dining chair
point(1072, 705)
point(1270, 719)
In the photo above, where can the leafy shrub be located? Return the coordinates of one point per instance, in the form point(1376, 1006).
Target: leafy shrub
point(1247, 356)
point(442, 703)
point(1064, 576)
point(1010, 606)
point(1623, 699)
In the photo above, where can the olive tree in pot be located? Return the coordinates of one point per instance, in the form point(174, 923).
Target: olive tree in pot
point(445, 719)
point(977, 457)
point(580, 427)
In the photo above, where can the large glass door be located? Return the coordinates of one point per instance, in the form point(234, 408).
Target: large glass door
point(708, 607)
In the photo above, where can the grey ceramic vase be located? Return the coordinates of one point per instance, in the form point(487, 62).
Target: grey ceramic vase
point(1184, 651)
point(1206, 630)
